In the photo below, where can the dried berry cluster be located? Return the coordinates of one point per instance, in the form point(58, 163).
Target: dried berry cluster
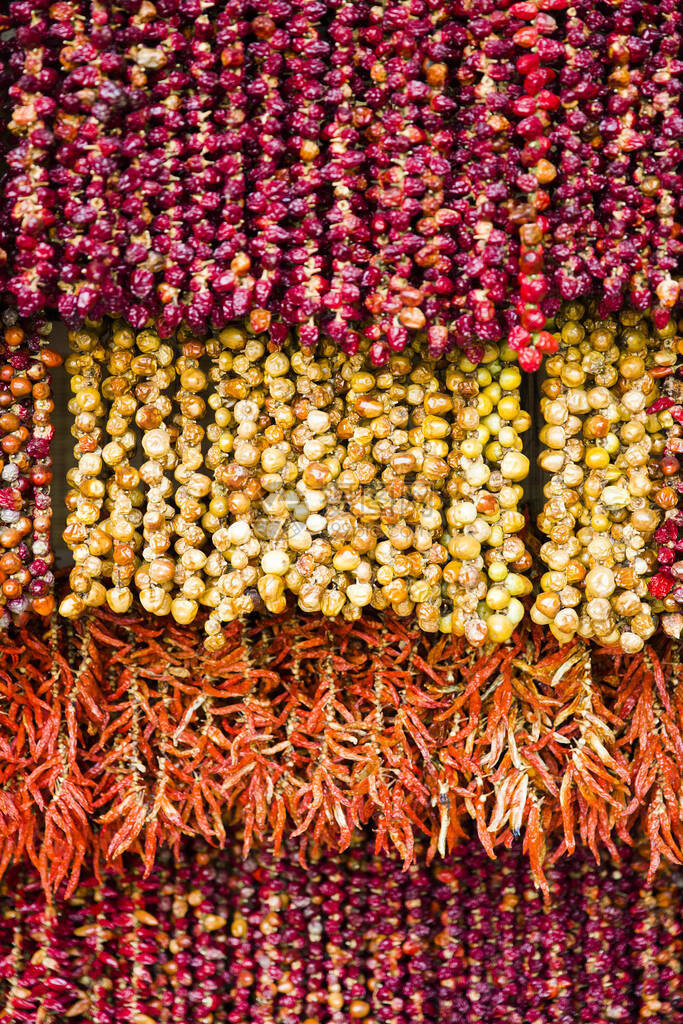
point(211, 937)
point(405, 171)
point(121, 734)
point(315, 475)
point(604, 435)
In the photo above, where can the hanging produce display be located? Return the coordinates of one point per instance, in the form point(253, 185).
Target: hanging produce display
point(296, 729)
point(343, 171)
point(213, 935)
point(369, 488)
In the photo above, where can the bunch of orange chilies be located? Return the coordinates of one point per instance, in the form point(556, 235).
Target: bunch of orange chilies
point(118, 733)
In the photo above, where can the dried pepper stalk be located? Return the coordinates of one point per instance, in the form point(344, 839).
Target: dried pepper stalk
point(537, 50)
point(664, 181)
point(574, 230)
point(486, 166)
point(30, 52)
point(347, 231)
point(306, 273)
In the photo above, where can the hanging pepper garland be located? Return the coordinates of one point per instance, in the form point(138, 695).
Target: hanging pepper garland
point(536, 53)
point(575, 232)
point(465, 167)
point(658, 177)
point(214, 937)
point(285, 206)
point(130, 738)
point(483, 185)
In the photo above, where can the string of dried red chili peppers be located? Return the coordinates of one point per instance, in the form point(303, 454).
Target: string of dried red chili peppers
point(537, 51)
point(214, 937)
point(399, 171)
point(293, 729)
